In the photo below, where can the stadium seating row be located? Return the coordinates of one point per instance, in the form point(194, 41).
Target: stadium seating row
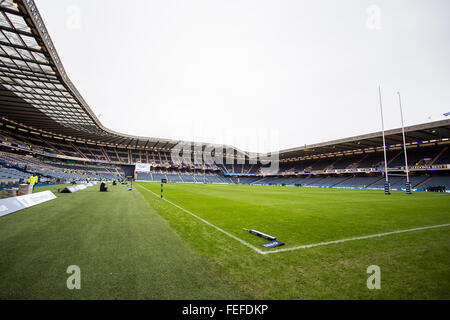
point(16, 168)
point(417, 155)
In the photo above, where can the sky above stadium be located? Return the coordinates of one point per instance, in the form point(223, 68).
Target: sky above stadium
point(259, 75)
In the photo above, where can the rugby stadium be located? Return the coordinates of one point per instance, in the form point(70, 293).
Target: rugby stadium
point(174, 226)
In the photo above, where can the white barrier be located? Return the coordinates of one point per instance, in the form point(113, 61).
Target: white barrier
point(11, 205)
point(79, 187)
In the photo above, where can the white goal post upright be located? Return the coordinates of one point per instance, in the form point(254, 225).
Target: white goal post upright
point(387, 190)
point(408, 183)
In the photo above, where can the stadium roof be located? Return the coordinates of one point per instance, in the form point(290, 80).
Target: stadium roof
point(428, 132)
point(35, 91)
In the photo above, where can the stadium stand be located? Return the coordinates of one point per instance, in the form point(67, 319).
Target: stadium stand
point(349, 169)
point(18, 168)
point(357, 181)
point(437, 181)
point(46, 127)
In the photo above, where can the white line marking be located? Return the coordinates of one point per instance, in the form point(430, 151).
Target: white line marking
point(209, 224)
point(357, 238)
point(304, 246)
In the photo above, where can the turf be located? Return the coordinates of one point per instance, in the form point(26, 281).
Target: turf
point(414, 265)
point(124, 248)
point(133, 245)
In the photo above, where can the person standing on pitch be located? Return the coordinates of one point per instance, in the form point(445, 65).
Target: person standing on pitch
point(33, 181)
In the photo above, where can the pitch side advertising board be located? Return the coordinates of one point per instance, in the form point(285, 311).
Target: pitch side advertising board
point(11, 205)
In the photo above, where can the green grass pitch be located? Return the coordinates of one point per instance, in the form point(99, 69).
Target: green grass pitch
point(133, 245)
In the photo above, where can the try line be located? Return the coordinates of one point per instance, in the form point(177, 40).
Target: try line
point(298, 247)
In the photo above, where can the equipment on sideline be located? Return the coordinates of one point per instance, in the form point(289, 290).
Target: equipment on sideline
point(273, 244)
point(273, 241)
point(260, 234)
point(9, 193)
point(163, 180)
point(25, 189)
point(14, 204)
point(103, 187)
